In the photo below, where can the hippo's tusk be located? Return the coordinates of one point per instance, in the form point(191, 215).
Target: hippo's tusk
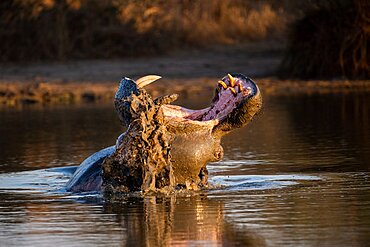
point(146, 80)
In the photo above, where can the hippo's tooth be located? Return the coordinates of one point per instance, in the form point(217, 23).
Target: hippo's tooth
point(146, 80)
point(232, 80)
point(240, 87)
point(223, 84)
point(233, 91)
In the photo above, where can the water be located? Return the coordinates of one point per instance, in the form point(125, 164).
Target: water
point(296, 176)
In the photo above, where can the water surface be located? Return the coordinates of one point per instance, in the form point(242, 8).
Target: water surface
point(296, 176)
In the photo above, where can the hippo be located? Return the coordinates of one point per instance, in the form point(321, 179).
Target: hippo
point(166, 147)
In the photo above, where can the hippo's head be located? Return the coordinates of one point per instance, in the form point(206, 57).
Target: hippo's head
point(196, 134)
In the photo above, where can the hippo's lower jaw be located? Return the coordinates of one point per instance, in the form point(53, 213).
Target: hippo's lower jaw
point(168, 146)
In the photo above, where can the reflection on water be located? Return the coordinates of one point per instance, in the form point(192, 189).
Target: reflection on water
point(298, 175)
point(40, 138)
point(179, 221)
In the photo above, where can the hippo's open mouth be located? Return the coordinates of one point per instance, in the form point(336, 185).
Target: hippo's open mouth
point(233, 94)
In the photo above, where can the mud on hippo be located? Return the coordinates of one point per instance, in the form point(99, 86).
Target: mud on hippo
point(166, 147)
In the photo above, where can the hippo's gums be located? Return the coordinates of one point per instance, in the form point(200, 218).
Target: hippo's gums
point(166, 146)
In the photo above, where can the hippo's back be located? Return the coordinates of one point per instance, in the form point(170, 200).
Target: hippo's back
point(88, 176)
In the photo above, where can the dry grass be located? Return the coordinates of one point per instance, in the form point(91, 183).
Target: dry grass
point(64, 29)
point(332, 40)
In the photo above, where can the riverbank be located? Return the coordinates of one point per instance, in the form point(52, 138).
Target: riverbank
point(183, 72)
point(21, 93)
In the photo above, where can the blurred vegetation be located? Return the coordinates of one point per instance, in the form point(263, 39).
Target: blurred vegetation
point(32, 30)
point(331, 40)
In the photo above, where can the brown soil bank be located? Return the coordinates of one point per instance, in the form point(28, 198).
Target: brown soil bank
point(18, 94)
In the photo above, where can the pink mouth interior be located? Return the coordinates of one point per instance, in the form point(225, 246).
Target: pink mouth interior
point(226, 102)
